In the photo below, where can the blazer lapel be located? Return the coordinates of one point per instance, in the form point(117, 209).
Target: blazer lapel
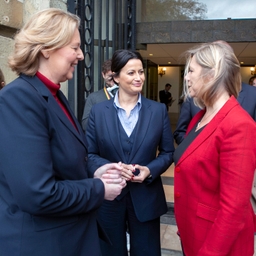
point(79, 133)
point(142, 126)
point(209, 129)
point(112, 126)
point(39, 86)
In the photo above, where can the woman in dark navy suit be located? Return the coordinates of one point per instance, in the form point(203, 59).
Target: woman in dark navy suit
point(47, 202)
point(135, 128)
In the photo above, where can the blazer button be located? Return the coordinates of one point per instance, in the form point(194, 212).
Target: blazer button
point(85, 158)
point(177, 169)
point(177, 194)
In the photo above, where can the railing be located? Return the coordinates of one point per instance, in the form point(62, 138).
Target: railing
point(107, 25)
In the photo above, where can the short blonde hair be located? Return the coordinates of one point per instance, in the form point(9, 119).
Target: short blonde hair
point(48, 29)
point(219, 62)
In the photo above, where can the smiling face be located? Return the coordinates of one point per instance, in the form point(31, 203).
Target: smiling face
point(131, 77)
point(194, 78)
point(59, 65)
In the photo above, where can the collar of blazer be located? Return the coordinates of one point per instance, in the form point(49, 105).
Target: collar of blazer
point(112, 126)
point(209, 128)
point(52, 104)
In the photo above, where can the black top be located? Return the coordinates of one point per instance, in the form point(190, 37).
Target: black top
point(185, 143)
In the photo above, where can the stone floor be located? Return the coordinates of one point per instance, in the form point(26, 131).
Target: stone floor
point(169, 240)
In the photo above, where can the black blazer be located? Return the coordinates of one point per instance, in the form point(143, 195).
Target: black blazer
point(92, 99)
point(164, 97)
point(153, 133)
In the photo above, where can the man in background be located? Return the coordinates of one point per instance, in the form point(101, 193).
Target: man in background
point(106, 93)
point(165, 96)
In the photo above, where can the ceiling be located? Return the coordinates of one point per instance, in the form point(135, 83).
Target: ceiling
point(164, 53)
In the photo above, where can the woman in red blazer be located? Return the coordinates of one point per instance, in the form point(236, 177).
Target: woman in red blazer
point(215, 163)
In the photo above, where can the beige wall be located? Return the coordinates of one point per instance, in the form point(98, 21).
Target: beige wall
point(246, 74)
point(13, 13)
point(5, 50)
point(173, 77)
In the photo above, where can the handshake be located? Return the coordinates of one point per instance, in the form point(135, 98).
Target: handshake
point(110, 175)
point(115, 175)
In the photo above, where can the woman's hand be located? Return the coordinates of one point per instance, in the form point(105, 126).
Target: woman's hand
point(142, 172)
point(112, 169)
point(112, 190)
point(110, 175)
point(127, 171)
point(135, 172)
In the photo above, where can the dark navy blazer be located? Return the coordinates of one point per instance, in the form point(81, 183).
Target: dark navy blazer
point(47, 201)
point(153, 133)
point(246, 98)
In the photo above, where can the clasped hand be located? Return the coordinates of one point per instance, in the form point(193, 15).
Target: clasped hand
point(135, 172)
point(110, 175)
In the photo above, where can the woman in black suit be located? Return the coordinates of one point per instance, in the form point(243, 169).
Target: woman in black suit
point(135, 129)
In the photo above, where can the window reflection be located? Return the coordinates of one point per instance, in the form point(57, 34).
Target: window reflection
point(168, 10)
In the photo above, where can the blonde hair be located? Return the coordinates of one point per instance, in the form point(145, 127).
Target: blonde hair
point(48, 29)
point(219, 63)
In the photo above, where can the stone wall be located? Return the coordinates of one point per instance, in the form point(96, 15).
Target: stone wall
point(196, 31)
point(11, 13)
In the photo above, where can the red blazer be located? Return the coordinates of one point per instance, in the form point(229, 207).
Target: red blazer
point(213, 183)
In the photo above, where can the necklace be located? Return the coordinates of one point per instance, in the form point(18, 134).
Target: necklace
point(205, 119)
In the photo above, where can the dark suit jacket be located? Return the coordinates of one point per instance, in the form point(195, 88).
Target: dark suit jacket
point(47, 202)
point(93, 98)
point(247, 99)
point(153, 132)
point(212, 185)
point(164, 97)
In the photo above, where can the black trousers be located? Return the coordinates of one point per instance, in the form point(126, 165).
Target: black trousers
point(115, 216)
